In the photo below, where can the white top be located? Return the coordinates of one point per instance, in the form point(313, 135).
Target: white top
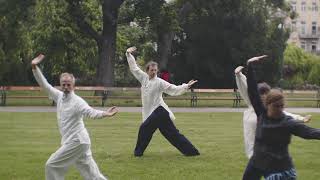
point(70, 111)
point(152, 89)
point(250, 117)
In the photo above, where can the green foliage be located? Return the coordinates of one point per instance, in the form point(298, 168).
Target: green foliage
point(219, 35)
point(304, 68)
point(209, 39)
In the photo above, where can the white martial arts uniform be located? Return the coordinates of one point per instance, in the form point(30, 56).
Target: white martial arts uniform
point(75, 142)
point(152, 89)
point(250, 117)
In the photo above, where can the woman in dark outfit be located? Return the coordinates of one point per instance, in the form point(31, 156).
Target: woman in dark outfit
point(271, 158)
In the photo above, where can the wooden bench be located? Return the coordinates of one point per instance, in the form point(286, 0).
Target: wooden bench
point(5, 89)
point(235, 97)
point(106, 93)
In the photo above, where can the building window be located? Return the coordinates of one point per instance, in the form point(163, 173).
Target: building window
point(313, 46)
point(314, 28)
point(314, 7)
point(303, 6)
point(294, 6)
point(303, 27)
point(303, 45)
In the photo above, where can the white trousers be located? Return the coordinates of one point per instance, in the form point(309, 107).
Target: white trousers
point(73, 154)
point(249, 131)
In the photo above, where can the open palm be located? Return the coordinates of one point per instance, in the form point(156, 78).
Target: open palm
point(37, 60)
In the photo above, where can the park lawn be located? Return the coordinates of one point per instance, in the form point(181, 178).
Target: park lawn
point(28, 139)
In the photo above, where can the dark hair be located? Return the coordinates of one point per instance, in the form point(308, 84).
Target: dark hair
point(263, 88)
point(150, 63)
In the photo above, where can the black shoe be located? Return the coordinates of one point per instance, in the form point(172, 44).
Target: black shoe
point(138, 155)
point(194, 154)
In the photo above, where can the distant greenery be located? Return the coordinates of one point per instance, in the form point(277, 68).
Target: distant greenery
point(201, 39)
point(301, 68)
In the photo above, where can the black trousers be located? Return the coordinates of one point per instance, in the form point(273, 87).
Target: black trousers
point(160, 119)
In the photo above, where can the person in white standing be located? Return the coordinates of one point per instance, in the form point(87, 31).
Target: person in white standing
point(249, 116)
point(75, 142)
point(155, 112)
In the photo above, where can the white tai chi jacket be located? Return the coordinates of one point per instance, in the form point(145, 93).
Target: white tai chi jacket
point(70, 112)
point(152, 89)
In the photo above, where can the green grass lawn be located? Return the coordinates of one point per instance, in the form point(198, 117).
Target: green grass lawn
point(28, 139)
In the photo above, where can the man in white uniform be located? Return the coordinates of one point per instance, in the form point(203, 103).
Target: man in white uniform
point(155, 113)
point(75, 142)
point(249, 116)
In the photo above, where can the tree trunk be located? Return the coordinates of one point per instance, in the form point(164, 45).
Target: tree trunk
point(106, 50)
point(165, 44)
point(165, 38)
point(106, 40)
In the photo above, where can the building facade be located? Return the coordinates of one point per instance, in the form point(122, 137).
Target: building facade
point(305, 28)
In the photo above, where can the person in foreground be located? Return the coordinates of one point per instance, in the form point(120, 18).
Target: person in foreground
point(155, 113)
point(270, 157)
point(75, 142)
point(249, 116)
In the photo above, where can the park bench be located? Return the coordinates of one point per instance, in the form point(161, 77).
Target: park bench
point(235, 96)
point(107, 93)
point(102, 95)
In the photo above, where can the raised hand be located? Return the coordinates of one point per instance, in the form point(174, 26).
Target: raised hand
point(37, 60)
point(238, 69)
point(131, 49)
point(191, 82)
point(256, 59)
point(111, 111)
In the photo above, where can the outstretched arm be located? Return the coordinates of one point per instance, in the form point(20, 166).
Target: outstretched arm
point(53, 92)
point(90, 112)
point(174, 90)
point(303, 131)
point(297, 117)
point(241, 81)
point(135, 70)
point(253, 87)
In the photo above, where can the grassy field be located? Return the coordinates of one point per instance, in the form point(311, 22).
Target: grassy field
point(28, 139)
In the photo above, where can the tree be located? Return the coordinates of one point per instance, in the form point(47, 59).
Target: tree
point(15, 18)
point(104, 34)
point(302, 67)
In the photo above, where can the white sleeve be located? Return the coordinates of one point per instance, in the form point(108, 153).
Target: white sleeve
point(294, 116)
point(172, 89)
point(88, 111)
point(241, 81)
point(135, 70)
point(43, 83)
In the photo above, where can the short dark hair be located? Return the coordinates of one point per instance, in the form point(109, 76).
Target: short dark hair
point(151, 63)
point(263, 88)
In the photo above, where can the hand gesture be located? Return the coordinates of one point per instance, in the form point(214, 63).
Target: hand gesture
point(238, 69)
point(111, 111)
point(37, 60)
point(131, 49)
point(307, 118)
point(256, 59)
point(191, 82)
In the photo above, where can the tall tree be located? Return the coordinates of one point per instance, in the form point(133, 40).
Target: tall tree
point(104, 34)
